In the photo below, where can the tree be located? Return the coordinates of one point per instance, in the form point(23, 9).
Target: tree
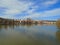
point(58, 23)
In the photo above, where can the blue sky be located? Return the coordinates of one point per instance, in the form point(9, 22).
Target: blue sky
point(35, 9)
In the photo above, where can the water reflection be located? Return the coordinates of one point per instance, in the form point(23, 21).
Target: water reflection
point(29, 34)
point(58, 33)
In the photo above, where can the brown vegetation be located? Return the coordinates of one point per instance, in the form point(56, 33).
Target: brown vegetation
point(58, 23)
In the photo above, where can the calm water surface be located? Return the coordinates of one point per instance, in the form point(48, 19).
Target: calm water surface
point(29, 35)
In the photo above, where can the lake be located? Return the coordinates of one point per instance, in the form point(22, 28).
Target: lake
point(29, 34)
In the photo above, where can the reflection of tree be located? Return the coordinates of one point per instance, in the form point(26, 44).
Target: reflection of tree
point(58, 36)
point(3, 27)
point(0, 27)
point(6, 27)
point(28, 25)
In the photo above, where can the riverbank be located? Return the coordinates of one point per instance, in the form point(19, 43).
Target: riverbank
point(27, 21)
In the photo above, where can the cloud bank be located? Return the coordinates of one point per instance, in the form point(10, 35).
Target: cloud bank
point(35, 9)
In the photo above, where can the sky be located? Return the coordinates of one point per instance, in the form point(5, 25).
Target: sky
point(34, 9)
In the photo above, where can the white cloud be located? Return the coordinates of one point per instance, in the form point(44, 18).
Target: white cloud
point(50, 2)
point(14, 7)
point(46, 4)
point(44, 14)
point(51, 13)
point(12, 11)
